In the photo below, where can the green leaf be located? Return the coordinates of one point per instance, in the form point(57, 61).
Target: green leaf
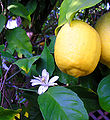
point(31, 6)
point(88, 96)
point(19, 41)
point(7, 114)
point(52, 43)
point(90, 81)
point(2, 47)
point(104, 93)
point(7, 56)
point(46, 61)
point(65, 78)
point(26, 63)
point(70, 7)
point(2, 22)
point(32, 72)
point(60, 103)
point(52, 2)
point(19, 10)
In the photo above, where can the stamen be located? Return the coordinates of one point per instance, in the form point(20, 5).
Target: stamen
point(43, 79)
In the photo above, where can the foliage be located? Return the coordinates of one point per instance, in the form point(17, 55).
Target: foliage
point(28, 48)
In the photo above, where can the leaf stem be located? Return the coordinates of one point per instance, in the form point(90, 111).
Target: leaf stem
point(29, 90)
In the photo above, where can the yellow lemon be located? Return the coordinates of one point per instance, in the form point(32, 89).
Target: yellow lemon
point(103, 28)
point(77, 49)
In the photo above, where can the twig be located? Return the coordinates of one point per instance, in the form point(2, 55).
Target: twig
point(5, 77)
point(2, 98)
point(1, 5)
point(29, 90)
point(6, 100)
point(0, 83)
point(13, 75)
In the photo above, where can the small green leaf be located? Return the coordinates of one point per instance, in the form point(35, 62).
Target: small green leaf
point(19, 10)
point(31, 6)
point(104, 93)
point(52, 43)
point(60, 103)
point(46, 61)
point(7, 114)
point(70, 7)
point(26, 63)
point(19, 41)
point(2, 22)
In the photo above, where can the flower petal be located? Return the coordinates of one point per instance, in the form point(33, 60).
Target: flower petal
point(52, 84)
point(45, 74)
point(42, 89)
point(53, 79)
point(11, 23)
point(35, 82)
point(38, 78)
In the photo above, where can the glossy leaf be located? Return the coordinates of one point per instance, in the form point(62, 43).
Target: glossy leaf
point(46, 61)
point(32, 72)
point(104, 93)
point(60, 103)
point(2, 22)
point(70, 7)
point(88, 96)
point(19, 10)
point(19, 41)
point(7, 114)
point(26, 63)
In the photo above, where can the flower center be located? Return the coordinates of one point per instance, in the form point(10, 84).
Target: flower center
point(43, 79)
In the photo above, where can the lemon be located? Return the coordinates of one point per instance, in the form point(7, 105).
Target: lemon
point(77, 49)
point(103, 28)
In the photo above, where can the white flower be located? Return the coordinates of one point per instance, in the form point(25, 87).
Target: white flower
point(108, 6)
point(44, 81)
point(13, 23)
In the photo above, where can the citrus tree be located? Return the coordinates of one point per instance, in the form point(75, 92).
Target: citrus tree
point(54, 59)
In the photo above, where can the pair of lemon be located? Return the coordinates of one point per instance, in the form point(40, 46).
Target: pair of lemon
point(79, 47)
